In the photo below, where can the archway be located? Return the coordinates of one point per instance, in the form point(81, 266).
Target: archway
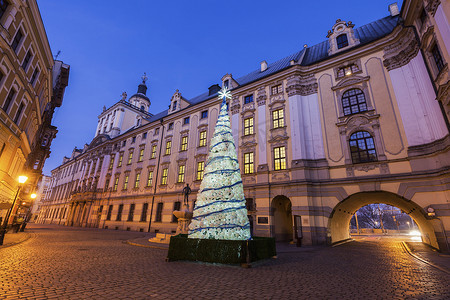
point(282, 219)
point(338, 223)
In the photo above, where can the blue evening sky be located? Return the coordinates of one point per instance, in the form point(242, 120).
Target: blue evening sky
point(185, 45)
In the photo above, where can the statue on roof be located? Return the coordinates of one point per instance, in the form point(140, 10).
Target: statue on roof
point(124, 96)
point(144, 78)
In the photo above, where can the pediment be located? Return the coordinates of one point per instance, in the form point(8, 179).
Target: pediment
point(355, 79)
point(99, 139)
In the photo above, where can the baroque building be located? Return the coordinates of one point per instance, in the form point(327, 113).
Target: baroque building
point(32, 85)
point(359, 118)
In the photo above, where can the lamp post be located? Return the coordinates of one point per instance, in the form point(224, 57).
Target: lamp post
point(22, 180)
point(28, 214)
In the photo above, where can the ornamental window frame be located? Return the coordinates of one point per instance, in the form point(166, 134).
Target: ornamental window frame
point(277, 119)
point(181, 173)
point(276, 89)
point(120, 161)
point(369, 144)
point(116, 182)
point(354, 82)
point(125, 181)
point(249, 163)
point(153, 153)
point(137, 179)
point(361, 105)
point(184, 143)
point(204, 114)
point(186, 120)
point(202, 136)
point(248, 99)
point(149, 178)
point(130, 156)
point(342, 41)
point(141, 154)
point(249, 125)
point(164, 175)
point(200, 170)
point(168, 147)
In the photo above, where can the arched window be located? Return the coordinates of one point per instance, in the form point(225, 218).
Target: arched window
point(353, 101)
point(362, 147)
point(342, 41)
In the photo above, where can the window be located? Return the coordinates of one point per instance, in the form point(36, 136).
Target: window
point(130, 157)
point(26, 60)
point(125, 182)
point(204, 114)
point(34, 76)
point(141, 154)
point(437, 58)
point(1, 73)
point(200, 170)
point(108, 215)
point(144, 135)
point(186, 120)
point(159, 208)
point(19, 112)
point(133, 139)
point(174, 106)
point(107, 183)
point(278, 118)
point(124, 143)
point(153, 151)
point(248, 99)
point(111, 163)
point(226, 83)
point(150, 178)
point(137, 180)
point(170, 126)
point(423, 17)
point(119, 213)
point(3, 6)
point(279, 154)
point(165, 172)
point(184, 143)
point(248, 126)
point(156, 131)
point(248, 163)
point(9, 99)
point(176, 206)
point(181, 170)
point(276, 89)
point(348, 70)
point(119, 163)
point(202, 139)
point(168, 146)
point(362, 147)
point(144, 212)
point(131, 213)
point(16, 40)
point(353, 101)
point(342, 41)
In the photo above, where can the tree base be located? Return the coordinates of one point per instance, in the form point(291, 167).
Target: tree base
point(221, 251)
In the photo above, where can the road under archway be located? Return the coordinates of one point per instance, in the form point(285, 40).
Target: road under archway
point(340, 217)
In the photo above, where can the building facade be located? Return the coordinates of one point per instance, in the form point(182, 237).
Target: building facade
point(357, 119)
point(31, 86)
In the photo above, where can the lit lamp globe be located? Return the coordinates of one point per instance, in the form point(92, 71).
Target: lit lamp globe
point(22, 179)
point(33, 196)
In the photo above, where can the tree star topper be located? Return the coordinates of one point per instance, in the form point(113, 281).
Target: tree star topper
point(224, 93)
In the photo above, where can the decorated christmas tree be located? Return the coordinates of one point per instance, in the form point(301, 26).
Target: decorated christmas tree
point(220, 211)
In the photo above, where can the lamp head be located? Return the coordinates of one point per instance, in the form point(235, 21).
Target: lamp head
point(22, 179)
point(33, 196)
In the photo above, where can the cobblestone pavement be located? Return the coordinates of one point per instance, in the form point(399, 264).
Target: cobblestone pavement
point(73, 263)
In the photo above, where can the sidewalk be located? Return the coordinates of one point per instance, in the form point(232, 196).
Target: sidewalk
point(12, 239)
point(430, 255)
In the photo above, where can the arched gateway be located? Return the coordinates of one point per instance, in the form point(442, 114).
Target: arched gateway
point(338, 223)
point(282, 219)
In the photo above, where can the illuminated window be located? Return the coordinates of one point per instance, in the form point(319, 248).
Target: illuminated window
point(181, 170)
point(279, 154)
point(348, 70)
point(200, 170)
point(168, 147)
point(119, 164)
point(184, 143)
point(276, 89)
point(248, 163)
point(248, 99)
point(353, 101)
point(342, 41)
point(141, 154)
point(248, 126)
point(111, 162)
point(150, 178)
point(130, 157)
point(137, 180)
point(278, 118)
point(153, 151)
point(116, 183)
point(125, 182)
point(165, 172)
point(362, 147)
point(202, 139)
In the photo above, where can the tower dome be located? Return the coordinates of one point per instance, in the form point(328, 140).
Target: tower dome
point(140, 99)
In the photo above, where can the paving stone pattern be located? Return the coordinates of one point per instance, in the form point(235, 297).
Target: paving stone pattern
point(75, 263)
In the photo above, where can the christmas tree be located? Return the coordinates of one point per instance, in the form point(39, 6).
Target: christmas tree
point(220, 211)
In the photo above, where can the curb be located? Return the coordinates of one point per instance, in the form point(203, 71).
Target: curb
point(129, 242)
point(409, 251)
point(27, 237)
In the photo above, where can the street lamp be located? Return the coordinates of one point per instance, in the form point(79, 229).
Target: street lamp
point(22, 180)
point(28, 214)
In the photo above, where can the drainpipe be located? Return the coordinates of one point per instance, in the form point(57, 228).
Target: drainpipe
point(156, 176)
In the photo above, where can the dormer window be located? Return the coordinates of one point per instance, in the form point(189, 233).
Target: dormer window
point(174, 106)
point(226, 83)
point(142, 108)
point(347, 70)
point(342, 41)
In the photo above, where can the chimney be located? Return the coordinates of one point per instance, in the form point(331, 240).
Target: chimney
point(263, 66)
point(393, 9)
